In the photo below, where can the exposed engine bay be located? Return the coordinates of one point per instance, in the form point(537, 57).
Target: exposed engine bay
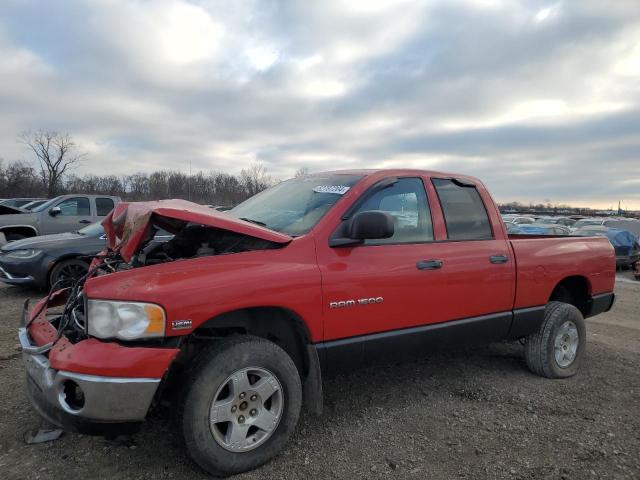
point(194, 241)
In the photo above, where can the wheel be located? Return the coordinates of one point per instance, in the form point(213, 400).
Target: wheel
point(67, 272)
point(557, 349)
point(12, 237)
point(241, 405)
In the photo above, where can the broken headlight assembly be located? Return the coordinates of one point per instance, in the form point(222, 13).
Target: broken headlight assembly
point(125, 320)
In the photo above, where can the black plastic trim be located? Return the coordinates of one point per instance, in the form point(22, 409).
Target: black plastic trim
point(526, 321)
point(600, 303)
point(353, 352)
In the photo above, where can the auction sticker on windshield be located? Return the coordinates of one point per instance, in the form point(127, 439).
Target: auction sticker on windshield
point(338, 189)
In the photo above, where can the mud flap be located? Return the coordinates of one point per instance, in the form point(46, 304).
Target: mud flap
point(312, 388)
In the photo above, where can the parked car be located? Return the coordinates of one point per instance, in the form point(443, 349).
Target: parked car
point(7, 210)
point(18, 202)
point(630, 224)
point(588, 222)
point(45, 260)
point(54, 259)
point(543, 229)
point(66, 213)
point(512, 228)
point(243, 311)
point(31, 205)
point(221, 208)
point(566, 221)
point(520, 219)
point(624, 242)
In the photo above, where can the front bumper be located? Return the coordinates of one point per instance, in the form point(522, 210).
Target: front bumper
point(33, 271)
point(7, 277)
point(90, 387)
point(104, 400)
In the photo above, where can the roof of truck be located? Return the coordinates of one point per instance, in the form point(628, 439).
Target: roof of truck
point(397, 171)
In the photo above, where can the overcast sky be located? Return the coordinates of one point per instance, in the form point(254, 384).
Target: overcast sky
point(540, 99)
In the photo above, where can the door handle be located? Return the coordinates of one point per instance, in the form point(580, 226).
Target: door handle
point(84, 221)
point(429, 264)
point(498, 259)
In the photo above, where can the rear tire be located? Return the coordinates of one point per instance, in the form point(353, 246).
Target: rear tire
point(556, 350)
point(218, 394)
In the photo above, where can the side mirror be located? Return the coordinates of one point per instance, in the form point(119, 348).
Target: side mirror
point(55, 211)
point(370, 225)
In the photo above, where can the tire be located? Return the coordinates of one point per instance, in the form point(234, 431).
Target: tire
point(68, 271)
point(216, 373)
point(552, 351)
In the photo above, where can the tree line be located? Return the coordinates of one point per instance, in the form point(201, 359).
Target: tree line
point(55, 153)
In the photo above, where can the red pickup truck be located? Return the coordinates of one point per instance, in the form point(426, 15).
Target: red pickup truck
point(236, 318)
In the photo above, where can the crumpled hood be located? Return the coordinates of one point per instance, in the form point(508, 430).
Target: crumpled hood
point(128, 226)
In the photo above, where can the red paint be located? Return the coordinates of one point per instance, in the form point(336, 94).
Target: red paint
point(108, 359)
point(306, 274)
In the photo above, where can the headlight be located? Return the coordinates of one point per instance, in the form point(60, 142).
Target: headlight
point(125, 320)
point(22, 254)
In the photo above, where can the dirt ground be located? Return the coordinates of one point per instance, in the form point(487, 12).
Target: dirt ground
point(473, 414)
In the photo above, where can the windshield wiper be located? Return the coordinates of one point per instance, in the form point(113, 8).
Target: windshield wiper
point(251, 220)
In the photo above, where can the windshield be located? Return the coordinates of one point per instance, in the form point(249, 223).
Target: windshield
point(45, 205)
point(93, 230)
point(295, 206)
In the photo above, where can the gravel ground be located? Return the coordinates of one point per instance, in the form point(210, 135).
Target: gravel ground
point(473, 414)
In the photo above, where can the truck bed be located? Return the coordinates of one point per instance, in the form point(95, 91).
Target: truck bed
point(544, 261)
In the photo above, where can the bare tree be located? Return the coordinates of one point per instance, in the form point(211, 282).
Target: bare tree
point(255, 178)
point(302, 172)
point(55, 152)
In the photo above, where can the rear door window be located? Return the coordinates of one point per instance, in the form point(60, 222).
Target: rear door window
point(464, 212)
point(104, 206)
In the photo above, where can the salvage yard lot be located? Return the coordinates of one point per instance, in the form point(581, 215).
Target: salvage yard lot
point(470, 414)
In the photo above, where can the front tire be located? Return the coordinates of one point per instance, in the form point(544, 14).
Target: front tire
point(556, 350)
point(241, 406)
point(67, 272)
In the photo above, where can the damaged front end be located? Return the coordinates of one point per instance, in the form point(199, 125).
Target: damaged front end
point(82, 384)
point(83, 380)
point(148, 233)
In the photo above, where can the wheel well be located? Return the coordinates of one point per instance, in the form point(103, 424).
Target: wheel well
point(279, 325)
point(573, 290)
point(24, 231)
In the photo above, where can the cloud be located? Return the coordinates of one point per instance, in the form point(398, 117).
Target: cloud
point(539, 99)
